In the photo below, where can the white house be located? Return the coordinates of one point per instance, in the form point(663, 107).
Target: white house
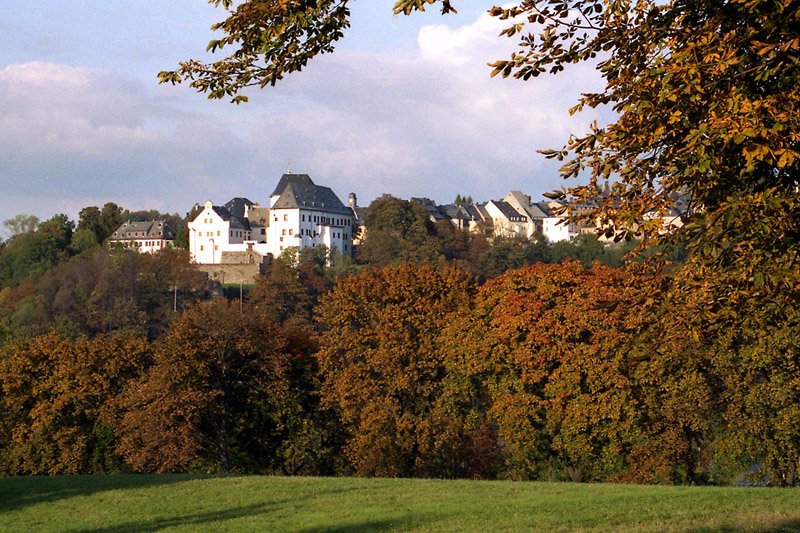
point(507, 221)
point(307, 215)
point(143, 236)
point(544, 217)
point(215, 230)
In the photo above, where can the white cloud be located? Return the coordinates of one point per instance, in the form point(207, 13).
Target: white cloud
point(428, 122)
point(462, 45)
point(432, 122)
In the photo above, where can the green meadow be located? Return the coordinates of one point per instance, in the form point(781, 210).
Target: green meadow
point(250, 503)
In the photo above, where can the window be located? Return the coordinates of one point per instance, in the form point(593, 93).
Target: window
point(263, 231)
point(304, 218)
point(216, 247)
point(283, 232)
point(217, 233)
point(285, 218)
point(291, 232)
point(281, 239)
point(201, 247)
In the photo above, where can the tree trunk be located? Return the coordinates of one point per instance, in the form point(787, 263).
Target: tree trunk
point(575, 474)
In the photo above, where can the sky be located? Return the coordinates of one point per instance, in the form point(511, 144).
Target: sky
point(404, 106)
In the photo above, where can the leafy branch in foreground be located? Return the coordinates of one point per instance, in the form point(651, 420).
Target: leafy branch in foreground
point(272, 38)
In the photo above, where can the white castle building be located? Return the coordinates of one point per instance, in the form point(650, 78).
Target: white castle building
point(300, 214)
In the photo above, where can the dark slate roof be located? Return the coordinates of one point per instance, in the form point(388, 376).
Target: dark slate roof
point(424, 202)
point(286, 179)
point(235, 222)
point(544, 208)
point(455, 212)
point(536, 212)
point(480, 211)
point(150, 229)
point(297, 191)
point(435, 212)
point(236, 206)
point(509, 212)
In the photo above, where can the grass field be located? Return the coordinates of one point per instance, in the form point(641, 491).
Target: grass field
point(150, 503)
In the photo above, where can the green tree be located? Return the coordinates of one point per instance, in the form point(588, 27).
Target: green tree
point(398, 231)
point(182, 228)
point(21, 224)
point(95, 225)
point(29, 255)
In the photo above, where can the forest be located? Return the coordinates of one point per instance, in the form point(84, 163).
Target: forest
point(432, 353)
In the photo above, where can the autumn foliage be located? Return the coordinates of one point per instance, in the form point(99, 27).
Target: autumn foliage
point(549, 371)
point(384, 372)
point(54, 394)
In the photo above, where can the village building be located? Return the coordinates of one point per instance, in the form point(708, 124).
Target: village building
point(143, 236)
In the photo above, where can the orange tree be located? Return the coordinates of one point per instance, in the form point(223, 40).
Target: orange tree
point(550, 344)
point(214, 398)
point(55, 392)
point(384, 373)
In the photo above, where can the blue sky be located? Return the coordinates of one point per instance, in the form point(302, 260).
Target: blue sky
point(404, 106)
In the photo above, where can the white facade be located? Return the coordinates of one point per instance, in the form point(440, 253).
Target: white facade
point(556, 229)
point(507, 225)
point(212, 232)
point(542, 218)
point(309, 228)
point(147, 237)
